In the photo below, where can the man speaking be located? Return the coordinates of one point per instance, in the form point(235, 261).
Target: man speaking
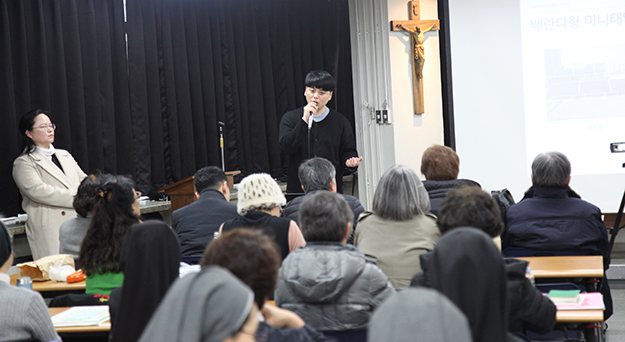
point(317, 131)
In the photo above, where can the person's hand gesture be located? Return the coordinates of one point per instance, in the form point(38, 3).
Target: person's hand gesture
point(353, 162)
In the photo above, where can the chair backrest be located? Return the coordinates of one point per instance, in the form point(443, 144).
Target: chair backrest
point(348, 336)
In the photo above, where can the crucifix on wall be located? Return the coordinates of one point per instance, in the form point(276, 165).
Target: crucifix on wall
point(416, 28)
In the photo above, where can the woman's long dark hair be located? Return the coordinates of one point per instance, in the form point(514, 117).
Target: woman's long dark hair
point(26, 124)
point(112, 217)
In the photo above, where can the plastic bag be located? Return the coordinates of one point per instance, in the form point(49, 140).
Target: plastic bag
point(59, 272)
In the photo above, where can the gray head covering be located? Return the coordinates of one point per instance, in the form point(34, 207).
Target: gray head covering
point(421, 315)
point(207, 306)
point(5, 244)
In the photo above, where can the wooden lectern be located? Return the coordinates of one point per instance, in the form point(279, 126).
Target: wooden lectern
point(183, 192)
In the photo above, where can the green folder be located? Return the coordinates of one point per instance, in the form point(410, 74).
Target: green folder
point(563, 293)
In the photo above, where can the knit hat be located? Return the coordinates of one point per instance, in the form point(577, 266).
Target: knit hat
point(5, 244)
point(258, 190)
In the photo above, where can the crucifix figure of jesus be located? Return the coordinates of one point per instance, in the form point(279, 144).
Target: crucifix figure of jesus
point(416, 28)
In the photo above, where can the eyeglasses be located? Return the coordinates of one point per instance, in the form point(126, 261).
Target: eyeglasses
point(137, 194)
point(46, 127)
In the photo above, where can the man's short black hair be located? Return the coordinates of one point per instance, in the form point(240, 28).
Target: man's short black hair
point(324, 216)
point(469, 206)
point(209, 177)
point(321, 80)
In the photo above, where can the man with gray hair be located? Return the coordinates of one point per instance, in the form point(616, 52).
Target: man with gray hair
point(552, 216)
point(332, 286)
point(318, 174)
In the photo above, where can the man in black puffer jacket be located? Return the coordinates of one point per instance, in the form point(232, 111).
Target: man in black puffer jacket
point(552, 217)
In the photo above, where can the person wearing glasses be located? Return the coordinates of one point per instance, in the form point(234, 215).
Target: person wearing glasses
point(48, 179)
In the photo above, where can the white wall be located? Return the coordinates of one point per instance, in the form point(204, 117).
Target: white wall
point(414, 133)
point(381, 65)
point(488, 94)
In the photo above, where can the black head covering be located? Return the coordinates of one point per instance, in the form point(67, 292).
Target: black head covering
point(5, 244)
point(150, 260)
point(418, 315)
point(207, 306)
point(466, 266)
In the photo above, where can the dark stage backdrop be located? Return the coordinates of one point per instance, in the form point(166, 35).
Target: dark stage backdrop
point(67, 57)
point(189, 65)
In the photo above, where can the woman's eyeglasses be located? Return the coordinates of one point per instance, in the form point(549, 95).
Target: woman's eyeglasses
point(46, 127)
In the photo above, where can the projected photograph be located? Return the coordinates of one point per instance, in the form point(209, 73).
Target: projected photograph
point(585, 83)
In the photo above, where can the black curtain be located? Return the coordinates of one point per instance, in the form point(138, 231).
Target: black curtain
point(196, 62)
point(67, 57)
point(151, 111)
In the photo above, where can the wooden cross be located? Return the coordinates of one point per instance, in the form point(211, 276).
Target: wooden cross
point(416, 28)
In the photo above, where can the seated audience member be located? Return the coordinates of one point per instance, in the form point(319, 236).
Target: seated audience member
point(440, 165)
point(400, 228)
point(197, 223)
point(116, 209)
point(23, 313)
point(319, 174)
point(211, 305)
point(259, 201)
point(332, 286)
point(419, 315)
point(551, 216)
point(150, 258)
point(72, 231)
point(468, 206)
point(466, 267)
point(471, 207)
point(256, 263)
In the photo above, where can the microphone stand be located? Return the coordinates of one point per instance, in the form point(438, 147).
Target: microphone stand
point(221, 144)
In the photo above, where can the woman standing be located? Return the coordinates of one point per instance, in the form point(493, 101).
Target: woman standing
point(48, 179)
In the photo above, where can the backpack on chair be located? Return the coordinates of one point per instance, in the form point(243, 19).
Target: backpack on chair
point(504, 200)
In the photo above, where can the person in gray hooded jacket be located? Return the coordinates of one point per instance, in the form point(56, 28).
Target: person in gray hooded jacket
point(332, 286)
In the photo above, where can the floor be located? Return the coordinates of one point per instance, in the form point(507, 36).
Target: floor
point(616, 274)
point(616, 323)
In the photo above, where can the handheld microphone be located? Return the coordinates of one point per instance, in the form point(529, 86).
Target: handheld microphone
point(310, 120)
